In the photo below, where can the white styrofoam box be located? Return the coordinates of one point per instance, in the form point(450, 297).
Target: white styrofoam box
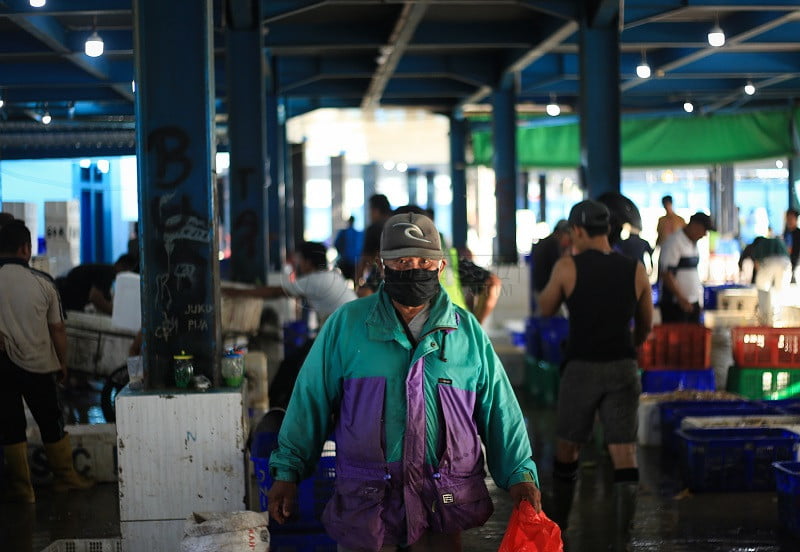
point(70, 209)
point(742, 300)
point(44, 263)
point(127, 308)
point(66, 255)
point(152, 535)
point(29, 214)
point(85, 545)
point(94, 452)
point(180, 452)
point(729, 318)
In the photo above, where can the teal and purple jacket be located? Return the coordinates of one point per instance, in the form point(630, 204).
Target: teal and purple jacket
point(408, 424)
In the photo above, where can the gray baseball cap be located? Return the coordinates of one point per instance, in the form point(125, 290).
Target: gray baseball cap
point(410, 235)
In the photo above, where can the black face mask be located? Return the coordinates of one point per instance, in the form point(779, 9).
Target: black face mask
point(413, 287)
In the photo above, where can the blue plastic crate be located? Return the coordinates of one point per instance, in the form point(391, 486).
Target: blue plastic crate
point(295, 335)
point(787, 484)
point(312, 493)
point(673, 412)
point(662, 381)
point(553, 333)
point(299, 542)
point(789, 407)
point(734, 459)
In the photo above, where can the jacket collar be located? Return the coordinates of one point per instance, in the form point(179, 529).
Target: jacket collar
point(383, 325)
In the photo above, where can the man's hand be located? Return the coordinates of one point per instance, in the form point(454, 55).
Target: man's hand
point(63, 373)
point(281, 500)
point(524, 491)
point(685, 305)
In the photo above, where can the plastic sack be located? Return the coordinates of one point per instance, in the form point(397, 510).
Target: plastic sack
point(529, 531)
point(225, 532)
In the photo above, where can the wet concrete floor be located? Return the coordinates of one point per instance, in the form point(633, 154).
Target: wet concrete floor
point(666, 520)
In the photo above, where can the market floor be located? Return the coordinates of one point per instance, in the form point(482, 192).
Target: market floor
point(667, 519)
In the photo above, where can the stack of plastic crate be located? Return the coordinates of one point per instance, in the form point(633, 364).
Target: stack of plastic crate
point(766, 362)
point(545, 343)
point(676, 356)
point(303, 532)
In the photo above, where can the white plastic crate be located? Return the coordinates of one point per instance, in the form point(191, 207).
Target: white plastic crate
point(744, 300)
point(85, 545)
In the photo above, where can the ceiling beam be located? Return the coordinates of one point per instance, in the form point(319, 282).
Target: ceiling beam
point(742, 36)
point(49, 31)
point(742, 98)
point(390, 55)
point(558, 36)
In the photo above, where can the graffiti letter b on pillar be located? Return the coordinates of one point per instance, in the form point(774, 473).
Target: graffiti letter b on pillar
point(172, 164)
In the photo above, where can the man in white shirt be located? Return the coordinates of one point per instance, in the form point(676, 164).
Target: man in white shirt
point(681, 289)
point(326, 290)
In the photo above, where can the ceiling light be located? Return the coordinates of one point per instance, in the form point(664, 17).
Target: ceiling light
point(749, 89)
point(133, 86)
point(388, 165)
point(553, 108)
point(716, 36)
point(779, 164)
point(643, 69)
point(46, 118)
point(2, 102)
point(688, 107)
point(402, 167)
point(38, 3)
point(94, 45)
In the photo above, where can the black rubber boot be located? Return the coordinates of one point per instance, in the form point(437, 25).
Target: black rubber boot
point(565, 477)
point(624, 496)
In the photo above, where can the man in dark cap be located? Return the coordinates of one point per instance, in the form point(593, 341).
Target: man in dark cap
point(411, 387)
point(604, 291)
point(681, 289)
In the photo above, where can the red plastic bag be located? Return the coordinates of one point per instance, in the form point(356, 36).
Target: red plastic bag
point(529, 531)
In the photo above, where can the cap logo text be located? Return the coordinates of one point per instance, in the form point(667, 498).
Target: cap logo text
point(412, 231)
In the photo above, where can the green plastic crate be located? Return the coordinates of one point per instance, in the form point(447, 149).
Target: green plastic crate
point(541, 380)
point(764, 383)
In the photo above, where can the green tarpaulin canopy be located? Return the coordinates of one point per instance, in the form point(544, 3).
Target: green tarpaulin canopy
point(658, 141)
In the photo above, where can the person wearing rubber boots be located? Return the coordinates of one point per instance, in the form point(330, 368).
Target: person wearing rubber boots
point(411, 387)
point(33, 354)
point(604, 291)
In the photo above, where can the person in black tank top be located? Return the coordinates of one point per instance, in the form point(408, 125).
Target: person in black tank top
point(604, 291)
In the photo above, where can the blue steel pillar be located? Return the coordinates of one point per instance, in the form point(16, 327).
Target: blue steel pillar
point(458, 179)
point(504, 123)
point(247, 132)
point(177, 189)
point(275, 189)
point(412, 176)
point(430, 179)
point(288, 187)
point(599, 102)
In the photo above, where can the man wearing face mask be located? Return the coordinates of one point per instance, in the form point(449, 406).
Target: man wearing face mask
point(410, 386)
